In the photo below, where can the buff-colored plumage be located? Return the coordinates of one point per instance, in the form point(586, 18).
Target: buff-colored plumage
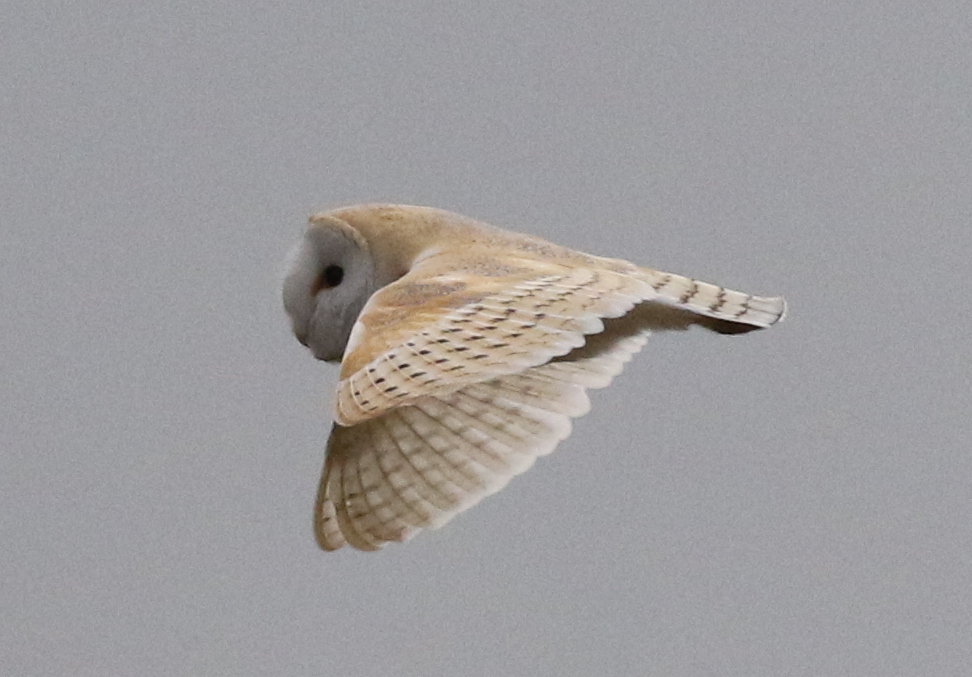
point(465, 351)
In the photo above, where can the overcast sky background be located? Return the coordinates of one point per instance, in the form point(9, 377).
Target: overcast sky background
point(792, 502)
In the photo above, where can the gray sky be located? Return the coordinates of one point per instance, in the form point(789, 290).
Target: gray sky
point(792, 502)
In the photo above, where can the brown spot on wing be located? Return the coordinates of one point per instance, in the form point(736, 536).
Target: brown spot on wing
point(401, 305)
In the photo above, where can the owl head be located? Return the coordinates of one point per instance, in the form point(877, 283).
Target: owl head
point(330, 277)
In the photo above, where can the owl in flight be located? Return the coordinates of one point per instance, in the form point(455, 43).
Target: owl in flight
point(465, 351)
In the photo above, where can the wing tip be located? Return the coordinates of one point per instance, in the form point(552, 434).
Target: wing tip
point(327, 531)
point(762, 312)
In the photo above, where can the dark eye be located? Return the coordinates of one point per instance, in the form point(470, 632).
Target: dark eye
point(332, 276)
point(328, 279)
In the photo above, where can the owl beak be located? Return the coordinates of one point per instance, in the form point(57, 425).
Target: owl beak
point(300, 334)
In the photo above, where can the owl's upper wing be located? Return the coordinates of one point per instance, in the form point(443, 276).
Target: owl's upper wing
point(442, 327)
point(430, 334)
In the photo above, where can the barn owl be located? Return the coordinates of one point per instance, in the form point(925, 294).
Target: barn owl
point(465, 351)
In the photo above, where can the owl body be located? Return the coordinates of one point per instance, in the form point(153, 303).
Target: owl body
point(465, 351)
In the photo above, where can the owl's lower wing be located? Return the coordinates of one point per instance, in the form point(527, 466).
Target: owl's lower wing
point(417, 466)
